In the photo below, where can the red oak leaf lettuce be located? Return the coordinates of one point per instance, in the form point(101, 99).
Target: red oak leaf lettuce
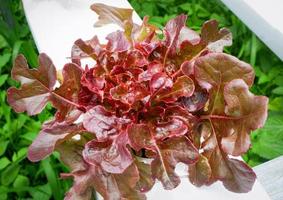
point(145, 105)
point(36, 85)
point(112, 155)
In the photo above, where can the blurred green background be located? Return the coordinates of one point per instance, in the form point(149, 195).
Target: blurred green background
point(21, 179)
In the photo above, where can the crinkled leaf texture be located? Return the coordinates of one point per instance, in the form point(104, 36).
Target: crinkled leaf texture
point(48, 138)
point(145, 105)
point(169, 153)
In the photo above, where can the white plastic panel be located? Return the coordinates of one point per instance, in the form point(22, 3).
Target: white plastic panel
point(264, 18)
point(56, 24)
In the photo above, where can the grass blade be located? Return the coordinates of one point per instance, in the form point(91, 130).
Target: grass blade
point(52, 179)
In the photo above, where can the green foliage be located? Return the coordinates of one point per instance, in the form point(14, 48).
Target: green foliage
point(19, 178)
point(267, 142)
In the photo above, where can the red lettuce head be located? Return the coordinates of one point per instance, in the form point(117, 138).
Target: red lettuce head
point(173, 100)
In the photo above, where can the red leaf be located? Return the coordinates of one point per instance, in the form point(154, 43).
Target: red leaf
point(214, 70)
point(169, 153)
point(140, 136)
point(128, 94)
point(182, 87)
point(214, 39)
point(71, 154)
point(195, 102)
point(146, 181)
point(117, 42)
point(147, 48)
point(94, 80)
point(146, 32)
point(172, 128)
point(120, 92)
point(160, 81)
point(152, 114)
point(181, 113)
point(71, 118)
point(153, 68)
point(134, 59)
point(200, 172)
point(102, 123)
point(122, 185)
point(172, 31)
point(187, 68)
point(217, 69)
point(68, 90)
point(87, 99)
point(116, 106)
point(248, 112)
point(112, 156)
point(37, 85)
point(47, 139)
point(87, 49)
point(109, 14)
point(242, 177)
point(211, 39)
point(188, 34)
point(233, 175)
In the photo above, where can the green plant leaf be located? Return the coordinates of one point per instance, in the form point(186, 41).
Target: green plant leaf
point(16, 49)
point(10, 173)
point(3, 42)
point(253, 50)
point(278, 90)
point(4, 59)
point(276, 104)
point(3, 78)
point(29, 136)
point(3, 193)
point(268, 140)
point(52, 179)
point(4, 162)
point(278, 79)
point(42, 192)
point(186, 6)
point(19, 154)
point(21, 181)
point(3, 146)
point(5, 31)
point(30, 53)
